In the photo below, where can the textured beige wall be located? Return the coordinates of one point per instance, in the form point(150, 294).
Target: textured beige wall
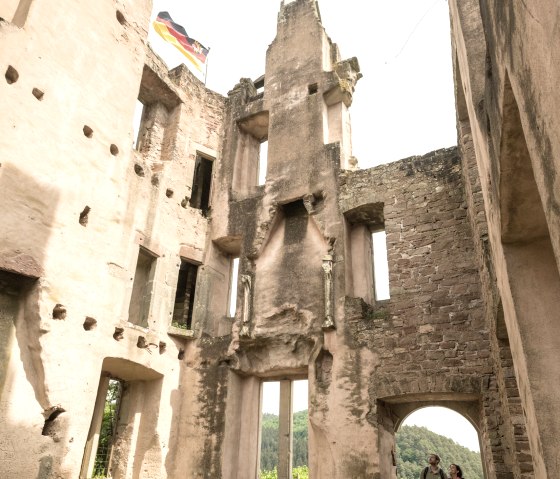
point(437, 341)
point(507, 76)
point(89, 67)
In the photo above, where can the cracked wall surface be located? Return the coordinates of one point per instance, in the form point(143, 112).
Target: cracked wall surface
point(94, 232)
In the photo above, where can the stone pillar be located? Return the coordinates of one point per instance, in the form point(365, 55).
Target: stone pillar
point(285, 431)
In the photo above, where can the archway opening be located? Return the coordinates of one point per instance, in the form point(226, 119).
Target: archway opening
point(441, 431)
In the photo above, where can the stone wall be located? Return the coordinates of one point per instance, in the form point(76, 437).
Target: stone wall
point(78, 203)
point(508, 127)
point(94, 232)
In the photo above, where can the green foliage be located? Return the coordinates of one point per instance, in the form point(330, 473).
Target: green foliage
point(301, 472)
point(176, 324)
point(269, 441)
point(414, 444)
point(107, 429)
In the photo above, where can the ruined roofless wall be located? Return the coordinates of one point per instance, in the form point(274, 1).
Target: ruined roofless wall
point(433, 323)
point(68, 89)
point(192, 404)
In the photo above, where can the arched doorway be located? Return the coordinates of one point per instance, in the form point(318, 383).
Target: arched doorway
point(440, 430)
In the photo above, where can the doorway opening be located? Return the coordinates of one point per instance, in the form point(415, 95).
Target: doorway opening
point(441, 431)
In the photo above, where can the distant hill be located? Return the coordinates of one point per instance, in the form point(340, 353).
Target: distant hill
point(415, 443)
point(413, 446)
point(269, 441)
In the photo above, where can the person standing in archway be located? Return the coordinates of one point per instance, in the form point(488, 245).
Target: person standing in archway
point(455, 472)
point(433, 471)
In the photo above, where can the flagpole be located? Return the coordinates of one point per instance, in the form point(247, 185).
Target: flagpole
point(206, 71)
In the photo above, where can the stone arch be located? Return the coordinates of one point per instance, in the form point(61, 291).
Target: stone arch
point(392, 411)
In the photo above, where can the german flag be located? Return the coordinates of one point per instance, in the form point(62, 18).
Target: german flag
point(176, 35)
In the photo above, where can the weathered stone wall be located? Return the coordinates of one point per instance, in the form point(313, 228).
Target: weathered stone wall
point(507, 107)
point(433, 323)
point(68, 152)
point(79, 203)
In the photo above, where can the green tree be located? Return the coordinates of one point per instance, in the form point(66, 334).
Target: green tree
point(414, 444)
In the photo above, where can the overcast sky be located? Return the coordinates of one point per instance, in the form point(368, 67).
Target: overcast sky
point(403, 106)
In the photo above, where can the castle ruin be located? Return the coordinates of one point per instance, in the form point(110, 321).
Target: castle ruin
point(115, 262)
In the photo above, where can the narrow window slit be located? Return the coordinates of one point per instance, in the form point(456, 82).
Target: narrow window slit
point(234, 275)
point(202, 182)
point(184, 296)
point(141, 296)
point(380, 265)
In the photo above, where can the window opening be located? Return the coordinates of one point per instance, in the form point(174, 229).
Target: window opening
point(270, 410)
point(380, 265)
point(184, 296)
point(136, 123)
point(202, 182)
point(284, 429)
point(140, 299)
point(234, 275)
point(300, 464)
point(107, 433)
point(263, 162)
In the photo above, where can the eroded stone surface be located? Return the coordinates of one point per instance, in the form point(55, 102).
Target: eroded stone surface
point(472, 238)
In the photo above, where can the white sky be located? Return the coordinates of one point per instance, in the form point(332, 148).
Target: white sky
point(447, 423)
point(403, 106)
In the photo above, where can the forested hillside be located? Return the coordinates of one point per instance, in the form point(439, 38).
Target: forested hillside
point(269, 441)
point(414, 444)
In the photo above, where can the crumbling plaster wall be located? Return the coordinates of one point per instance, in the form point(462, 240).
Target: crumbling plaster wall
point(52, 168)
point(507, 104)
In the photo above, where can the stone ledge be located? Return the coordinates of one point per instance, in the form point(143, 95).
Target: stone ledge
point(180, 332)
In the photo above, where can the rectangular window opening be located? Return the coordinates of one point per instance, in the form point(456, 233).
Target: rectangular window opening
point(270, 410)
point(284, 428)
point(234, 275)
point(202, 182)
point(184, 296)
point(102, 435)
point(263, 162)
point(107, 432)
point(140, 299)
point(136, 125)
point(300, 463)
point(380, 265)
